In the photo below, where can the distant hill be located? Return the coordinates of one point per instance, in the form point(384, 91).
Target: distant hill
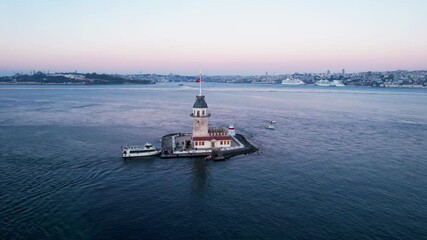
point(69, 78)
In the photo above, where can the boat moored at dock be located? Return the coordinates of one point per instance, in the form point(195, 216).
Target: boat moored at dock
point(140, 151)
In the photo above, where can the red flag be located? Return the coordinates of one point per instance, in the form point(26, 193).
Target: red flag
point(197, 80)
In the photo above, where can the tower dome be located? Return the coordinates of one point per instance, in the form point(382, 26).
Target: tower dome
point(200, 108)
point(200, 102)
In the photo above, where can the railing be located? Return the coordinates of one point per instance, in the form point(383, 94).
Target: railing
point(192, 151)
point(240, 144)
point(230, 148)
point(201, 116)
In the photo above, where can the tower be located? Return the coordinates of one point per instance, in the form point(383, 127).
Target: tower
point(203, 137)
point(231, 130)
point(200, 117)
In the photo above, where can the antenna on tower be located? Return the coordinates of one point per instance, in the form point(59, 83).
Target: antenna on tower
point(200, 83)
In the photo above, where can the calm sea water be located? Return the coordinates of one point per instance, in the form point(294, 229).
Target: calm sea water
point(343, 163)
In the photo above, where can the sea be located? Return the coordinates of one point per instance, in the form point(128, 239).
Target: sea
point(342, 163)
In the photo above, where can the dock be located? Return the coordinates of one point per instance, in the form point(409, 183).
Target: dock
point(178, 145)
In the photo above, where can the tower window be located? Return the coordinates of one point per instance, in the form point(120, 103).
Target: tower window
point(203, 112)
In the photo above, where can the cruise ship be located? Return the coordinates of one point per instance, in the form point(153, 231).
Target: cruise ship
point(323, 83)
point(327, 83)
point(338, 83)
point(292, 81)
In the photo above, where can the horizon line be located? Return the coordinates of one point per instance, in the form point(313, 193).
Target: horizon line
point(31, 72)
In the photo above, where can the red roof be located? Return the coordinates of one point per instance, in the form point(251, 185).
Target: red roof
point(211, 138)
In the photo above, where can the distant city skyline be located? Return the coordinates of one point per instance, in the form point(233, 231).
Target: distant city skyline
point(221, 37)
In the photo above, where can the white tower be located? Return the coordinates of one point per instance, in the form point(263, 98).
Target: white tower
point(231, 130)
point(200, 117)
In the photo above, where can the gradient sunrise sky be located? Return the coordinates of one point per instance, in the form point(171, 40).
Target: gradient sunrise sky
point(222, 37)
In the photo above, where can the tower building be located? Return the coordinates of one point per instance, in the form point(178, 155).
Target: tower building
point(204, 137)
point(200, 117)
point(217, 143)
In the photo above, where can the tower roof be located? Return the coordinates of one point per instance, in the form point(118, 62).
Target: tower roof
point(200, 102)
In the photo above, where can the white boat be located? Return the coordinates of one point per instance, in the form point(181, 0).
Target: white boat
point(292, 81)
point(324, 83)
point(338, 83)
point(327, 83)
point(271, 127)
point(139, 151)
point(272, 122)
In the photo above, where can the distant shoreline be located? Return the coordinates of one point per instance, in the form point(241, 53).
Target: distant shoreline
point(388, 79)
point(80, 84)
point(152, 83)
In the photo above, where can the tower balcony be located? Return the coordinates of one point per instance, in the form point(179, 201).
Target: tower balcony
point(200, 116)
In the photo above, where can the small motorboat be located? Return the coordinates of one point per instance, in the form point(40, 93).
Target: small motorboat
point(272, 122)
point(216, 156)
point(270, 127)
point(138, 151)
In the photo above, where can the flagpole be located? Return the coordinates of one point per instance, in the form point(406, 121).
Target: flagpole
point(200, 83)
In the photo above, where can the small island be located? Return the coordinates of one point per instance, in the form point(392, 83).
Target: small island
point(216, 143)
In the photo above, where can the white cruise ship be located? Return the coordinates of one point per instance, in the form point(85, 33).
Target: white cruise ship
point(324, 83)
point(338, 83)
point(292, 81)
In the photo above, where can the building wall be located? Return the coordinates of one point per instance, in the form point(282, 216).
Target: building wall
point(202, 144)
point(208, 144)
point(200, 127)
point(200, 112)
point(222, 143)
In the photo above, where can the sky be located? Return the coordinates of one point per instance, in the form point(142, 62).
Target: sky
point(233, 37)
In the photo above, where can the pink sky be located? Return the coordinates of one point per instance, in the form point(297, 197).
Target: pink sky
point(248, 37)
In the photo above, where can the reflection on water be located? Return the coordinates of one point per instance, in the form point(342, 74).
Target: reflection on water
point(200, 179)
